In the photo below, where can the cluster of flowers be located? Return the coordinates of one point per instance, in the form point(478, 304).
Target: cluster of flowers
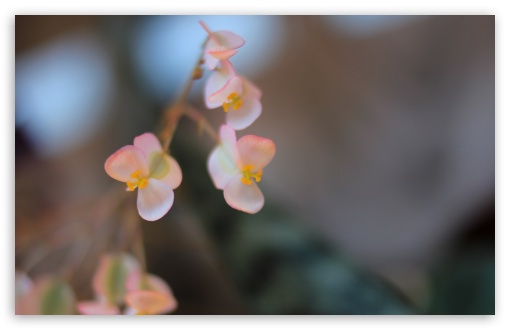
point(235, 166)
point(120, 287)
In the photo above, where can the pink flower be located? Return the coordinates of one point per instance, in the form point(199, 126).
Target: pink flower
point(109, 284)
point(220, 45)
point(120, 280)
point(239, 98)
point(236, 167)
point(146, 166)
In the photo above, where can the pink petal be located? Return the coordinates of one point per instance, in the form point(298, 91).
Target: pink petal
point(216, 99)
point(221, 54)
point(250, 90)
point(156, 283)
point(256, 151)
point(228, 39)
point(125, 161)
point(149, 143)
point(151, 302)
point(243, 117)
point(153, 283)
point(97, 308)
point(155, 200)
point(217, 81)
point(243, 197)
point(221, 168)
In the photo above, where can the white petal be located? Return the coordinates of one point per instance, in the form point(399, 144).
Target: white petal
point(217, 81)
point(210, 61)
point(228, 39)
point(243, 197)
point(233, 85)
point(221, 167)
point(228, 142)
point(244, 116)
point(155, 200)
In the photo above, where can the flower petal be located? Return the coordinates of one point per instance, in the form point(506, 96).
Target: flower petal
point(156, 283)
point(125, 161)
point(228, 39)
point(221, 168)
point(233, 85)
point(221, 163)
point(110, 276)
point(228, 142)
point(97, 308)
point(243, 197)
point(221, 54)
point(151, 302)
point(256, 151)
point(153, 283)
point(243, 117)
point(210, 61)
point(217, 81)
point(155, 200)
point(250, 90)
point(168, 171)
point(149, 143)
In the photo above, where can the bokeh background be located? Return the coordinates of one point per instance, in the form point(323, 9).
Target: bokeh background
point(380, 199)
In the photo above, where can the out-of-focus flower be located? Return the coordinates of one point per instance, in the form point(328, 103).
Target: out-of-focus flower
point(109, 284)
point(236, 166)
point(239, 97)
point(119, 280)
point(220, 45)
point(148, 294)
point(146, 166)
point(48, 295)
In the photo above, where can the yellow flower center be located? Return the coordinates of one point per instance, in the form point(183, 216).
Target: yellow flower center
point(138, 181)
point(234, 101)
point(248, 175)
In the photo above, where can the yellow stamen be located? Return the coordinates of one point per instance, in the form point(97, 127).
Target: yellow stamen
point(248, 175)
point(140, 182)
point(234, 101)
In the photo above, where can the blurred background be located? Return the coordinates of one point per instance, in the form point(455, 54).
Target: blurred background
point(380, 199)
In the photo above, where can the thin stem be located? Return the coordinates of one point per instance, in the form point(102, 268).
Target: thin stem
point(139, 248)
point(174, 112)
point(211, 35)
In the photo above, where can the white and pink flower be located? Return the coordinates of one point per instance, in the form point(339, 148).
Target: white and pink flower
point(239, 97)
point(220, 45)
point(237, 166)
point(146, 166)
